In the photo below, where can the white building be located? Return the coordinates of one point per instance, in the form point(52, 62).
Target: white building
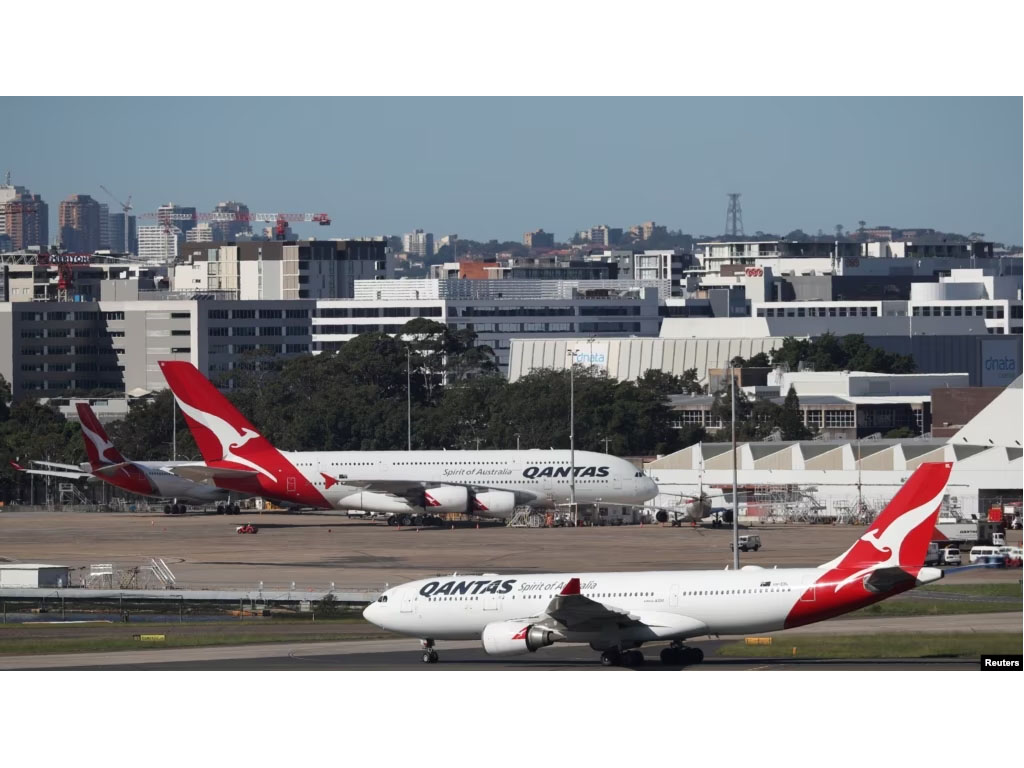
point(203, 232)
point(158, 244)
point(418, 243)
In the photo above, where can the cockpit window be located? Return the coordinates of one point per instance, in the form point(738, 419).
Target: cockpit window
point(382, 599)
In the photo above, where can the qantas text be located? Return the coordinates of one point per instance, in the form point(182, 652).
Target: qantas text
point(484, 587)
point(532, 472)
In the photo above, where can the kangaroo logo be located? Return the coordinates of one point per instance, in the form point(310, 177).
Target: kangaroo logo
point(228, 436)
point(101, 445)
point(889, 541)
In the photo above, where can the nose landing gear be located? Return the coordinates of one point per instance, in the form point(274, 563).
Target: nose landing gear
point(429, 654)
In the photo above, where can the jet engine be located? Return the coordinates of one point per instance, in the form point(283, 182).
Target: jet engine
point(446, 498)
point(510, 638)
point(500, 504)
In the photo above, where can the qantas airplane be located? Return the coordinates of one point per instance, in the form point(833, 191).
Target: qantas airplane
point(146, 478)
point(616, 613)
point(410, 485)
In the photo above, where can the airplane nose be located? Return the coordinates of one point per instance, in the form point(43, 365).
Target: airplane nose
point(370, 613)
point(651, 487)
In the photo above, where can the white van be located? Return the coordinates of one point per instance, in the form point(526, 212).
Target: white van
point(985, 553)
point(950, 556)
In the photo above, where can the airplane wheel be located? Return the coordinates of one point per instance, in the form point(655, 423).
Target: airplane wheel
point(405, 520)
point(430, 657)
point(611, 658)
point(220, 509)
point(392, 520)
point(634, 659)
point(235, 510)
point(671, 656)
point(167, 509)
point(693, 656)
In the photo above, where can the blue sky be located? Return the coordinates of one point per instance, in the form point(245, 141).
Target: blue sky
point(497, 167)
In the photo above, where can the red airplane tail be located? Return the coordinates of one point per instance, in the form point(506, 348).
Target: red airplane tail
point(220, 430)
point(100, 450)
point(900, 535)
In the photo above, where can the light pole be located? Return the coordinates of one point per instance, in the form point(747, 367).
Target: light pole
point(408, 398)
point(735, 495)
point(572, 434)
point(517, 441)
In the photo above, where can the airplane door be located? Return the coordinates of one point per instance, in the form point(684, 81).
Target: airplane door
point(617, 480)
point(673, 596)
point(407, 602)
point(290, 484)
point(490, 603)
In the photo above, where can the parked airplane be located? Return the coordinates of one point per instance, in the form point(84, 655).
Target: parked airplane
point(146, 478)
point(618, 612)
point(407, 484)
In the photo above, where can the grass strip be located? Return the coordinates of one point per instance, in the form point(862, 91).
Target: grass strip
point(883, 646)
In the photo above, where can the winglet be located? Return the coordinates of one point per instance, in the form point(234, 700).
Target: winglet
point(572, 587)
point(16, 465)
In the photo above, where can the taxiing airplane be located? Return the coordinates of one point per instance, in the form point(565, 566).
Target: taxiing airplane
point(410, 485)
point(145, 478)
point(616, 613)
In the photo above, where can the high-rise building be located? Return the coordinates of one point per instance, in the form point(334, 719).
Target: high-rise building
point(158, 244)
point(9, 192)
point(236, 221)
point(25, 221)
point(79, 223)
point(205, 232)
point(418, 243)
point(181, 216)
point(104, 227)
point(117, 234)
point(539, 239)
point(602, 235)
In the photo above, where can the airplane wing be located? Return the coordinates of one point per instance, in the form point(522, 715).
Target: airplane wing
point(573, 612)
point(200, 473)
point(77, 475)
point(57, 465)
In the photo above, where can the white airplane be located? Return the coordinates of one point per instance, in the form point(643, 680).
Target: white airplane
point(406, 484)
point(145, 478)
point(616, 613)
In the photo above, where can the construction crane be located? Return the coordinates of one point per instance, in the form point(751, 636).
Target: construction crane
point(127, 208)
point(280, 220)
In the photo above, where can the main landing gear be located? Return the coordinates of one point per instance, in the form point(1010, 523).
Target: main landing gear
point(615, 657)
point(678, 654)
point(429, 654)
point(228, 509)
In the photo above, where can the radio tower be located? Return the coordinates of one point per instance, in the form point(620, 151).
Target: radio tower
point(734, 216)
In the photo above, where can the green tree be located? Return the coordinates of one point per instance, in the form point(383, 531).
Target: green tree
point(790, 422)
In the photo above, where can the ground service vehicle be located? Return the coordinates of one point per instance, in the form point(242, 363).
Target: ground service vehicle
point(748, 542)
point(247, 528)
point(951, 556)
point(616, 613)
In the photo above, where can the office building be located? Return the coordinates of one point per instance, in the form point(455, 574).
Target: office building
point(79, 222)
point(418, 243)
point(104, 244)
point(231, 221)
point(158, 244)
point(117, 234)
point(306, 269)
point(539, 239)
point(26, 221)
point(183, 217)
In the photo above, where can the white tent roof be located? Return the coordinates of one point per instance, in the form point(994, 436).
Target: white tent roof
point(1000, 423)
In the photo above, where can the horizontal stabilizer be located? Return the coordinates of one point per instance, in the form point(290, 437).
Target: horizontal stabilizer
point(200, 473)
point(58, 465)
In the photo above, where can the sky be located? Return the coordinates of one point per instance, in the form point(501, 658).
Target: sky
point(496, 167)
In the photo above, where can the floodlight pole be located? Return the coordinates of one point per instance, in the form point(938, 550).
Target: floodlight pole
point(572, 435)
point(735, 495)
point(408, 398)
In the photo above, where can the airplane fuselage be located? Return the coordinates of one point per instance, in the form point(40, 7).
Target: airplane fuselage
point(672, 605)
point(492, 482)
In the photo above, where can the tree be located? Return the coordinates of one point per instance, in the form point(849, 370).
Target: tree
point(5, 398)
point(790, 422)
point(147, 433)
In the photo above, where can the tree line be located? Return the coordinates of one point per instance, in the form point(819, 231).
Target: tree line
point(356, 399)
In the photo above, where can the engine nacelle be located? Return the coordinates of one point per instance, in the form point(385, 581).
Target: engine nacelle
point(510, 638)
point(661, 516)
point(446, 498)
point(499, 504)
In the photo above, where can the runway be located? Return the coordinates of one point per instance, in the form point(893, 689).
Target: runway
point(403, 653)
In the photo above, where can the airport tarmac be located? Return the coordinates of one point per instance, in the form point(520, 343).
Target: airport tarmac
point(315, 550)
point(403, 653)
